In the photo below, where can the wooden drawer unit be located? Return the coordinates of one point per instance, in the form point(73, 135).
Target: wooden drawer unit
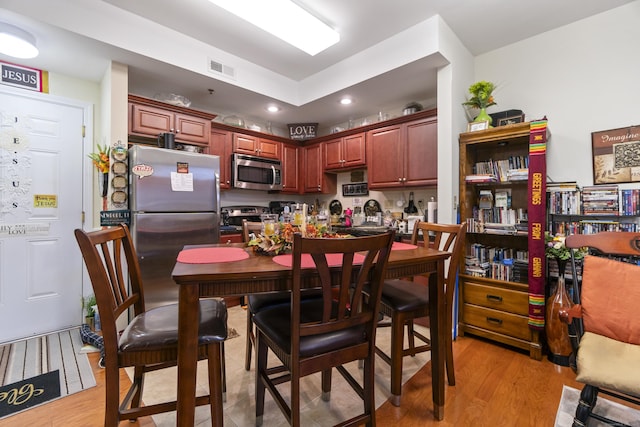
point(498, 311)
point(495, 320)
point(496, 298)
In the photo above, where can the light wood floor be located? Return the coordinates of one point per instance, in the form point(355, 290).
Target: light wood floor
point(495, 386)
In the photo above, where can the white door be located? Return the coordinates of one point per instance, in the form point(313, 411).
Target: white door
point(41, 195)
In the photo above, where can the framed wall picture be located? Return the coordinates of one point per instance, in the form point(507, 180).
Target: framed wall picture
point(616, 155)
point(511, 120)
point(474, 126)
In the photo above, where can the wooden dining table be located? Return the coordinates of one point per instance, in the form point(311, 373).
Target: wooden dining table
point(258, 274)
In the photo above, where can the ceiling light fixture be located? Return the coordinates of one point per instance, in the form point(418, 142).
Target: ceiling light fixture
point(273, 109)
point(346, 101)
point(17, 42)
point(285, 20)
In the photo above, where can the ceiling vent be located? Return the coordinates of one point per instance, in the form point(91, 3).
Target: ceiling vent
point(219, 68)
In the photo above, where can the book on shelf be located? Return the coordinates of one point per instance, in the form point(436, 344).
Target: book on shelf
point(503, 198)
point(562, 186)
point(480, 178)
point(485, 199)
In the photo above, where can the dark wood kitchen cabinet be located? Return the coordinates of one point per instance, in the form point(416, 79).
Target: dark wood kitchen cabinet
point(314, 179)
point(150, 118)
point(403, 155)
point(220, 145)
point(346, 152)
point(290, 169)
point(256, 146)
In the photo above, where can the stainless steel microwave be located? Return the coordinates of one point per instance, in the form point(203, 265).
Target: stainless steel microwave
point(255, 173)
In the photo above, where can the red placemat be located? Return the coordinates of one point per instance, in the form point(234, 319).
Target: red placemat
point(399, 246)
point(307, 262)
point(211, 255)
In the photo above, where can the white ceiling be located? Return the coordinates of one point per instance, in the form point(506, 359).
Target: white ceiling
point(80, 37)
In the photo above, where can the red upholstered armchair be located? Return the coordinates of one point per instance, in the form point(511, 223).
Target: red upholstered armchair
point(604, 325)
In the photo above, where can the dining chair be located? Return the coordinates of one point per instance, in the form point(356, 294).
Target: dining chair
point(404, 300)
point(604, 325)
point(150, 339)
point(257, 302)
point(319, 334)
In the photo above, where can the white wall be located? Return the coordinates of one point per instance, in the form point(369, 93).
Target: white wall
point(583, 77)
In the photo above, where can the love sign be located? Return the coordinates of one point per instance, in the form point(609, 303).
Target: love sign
point(303, 131)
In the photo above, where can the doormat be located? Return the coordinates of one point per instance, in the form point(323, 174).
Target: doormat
point(25, 394)
point(27, 366)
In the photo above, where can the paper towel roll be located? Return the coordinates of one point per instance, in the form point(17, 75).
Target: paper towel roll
point(432, 212)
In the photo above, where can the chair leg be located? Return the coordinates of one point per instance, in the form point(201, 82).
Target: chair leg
point(250, 341)
point(588, 398)
point(261, 366)
point(326, 385)
point(369, 390)
point(138, 375)
point(112, 396)
point(451, 375)
point(216, 376)
point(295, 396)
point(412, 341)
point(223, 368)
point(397, 344)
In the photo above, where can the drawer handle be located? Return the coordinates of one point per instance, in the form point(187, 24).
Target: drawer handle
point(494, 298)
point(494, 320)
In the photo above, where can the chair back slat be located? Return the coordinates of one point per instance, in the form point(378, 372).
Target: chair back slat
point(343, 285)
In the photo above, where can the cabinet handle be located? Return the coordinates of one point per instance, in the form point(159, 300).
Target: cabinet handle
point(399, 179)
point(494, 298)
point(494, 320)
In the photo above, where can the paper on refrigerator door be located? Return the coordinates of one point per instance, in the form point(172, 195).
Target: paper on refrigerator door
point(181, 181)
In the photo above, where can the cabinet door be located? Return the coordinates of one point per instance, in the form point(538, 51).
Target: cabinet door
point(290, 175)
point(385, 157)
point(333, 154)
point(313, 171)
point(270, 149)
point(151, 121)
point(421, 153)
point(245, 144)
point(220, 145)
point(353, 150)
point(192, 129)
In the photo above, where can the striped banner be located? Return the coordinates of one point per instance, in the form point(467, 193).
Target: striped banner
point(537, 221)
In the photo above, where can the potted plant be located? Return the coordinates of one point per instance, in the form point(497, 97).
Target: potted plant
point(481, 98)
point(88, 304)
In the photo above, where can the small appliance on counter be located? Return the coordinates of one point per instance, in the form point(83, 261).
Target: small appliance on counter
point(277, 206)
point(233, 215)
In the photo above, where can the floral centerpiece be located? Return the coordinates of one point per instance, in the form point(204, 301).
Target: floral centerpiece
point(481, 98)
point(281, 242)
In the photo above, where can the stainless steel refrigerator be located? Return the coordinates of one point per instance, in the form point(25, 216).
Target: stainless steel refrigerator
point(174, 197)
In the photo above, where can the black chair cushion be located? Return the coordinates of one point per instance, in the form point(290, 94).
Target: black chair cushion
point(257, 302)
point(402, 295)
point(158, 327)
point(276, 323)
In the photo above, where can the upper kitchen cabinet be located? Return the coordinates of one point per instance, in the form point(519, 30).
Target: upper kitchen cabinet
point(403, 154)
point(256, 146)
point(150, 118)
point(314, 179)
point(345, 153)
point(220, 145)
point(290, 169)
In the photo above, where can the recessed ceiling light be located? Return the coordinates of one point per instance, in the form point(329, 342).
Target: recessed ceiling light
point(285, 20)
point(273, 108)
point(16, 42)
point(346, 101)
